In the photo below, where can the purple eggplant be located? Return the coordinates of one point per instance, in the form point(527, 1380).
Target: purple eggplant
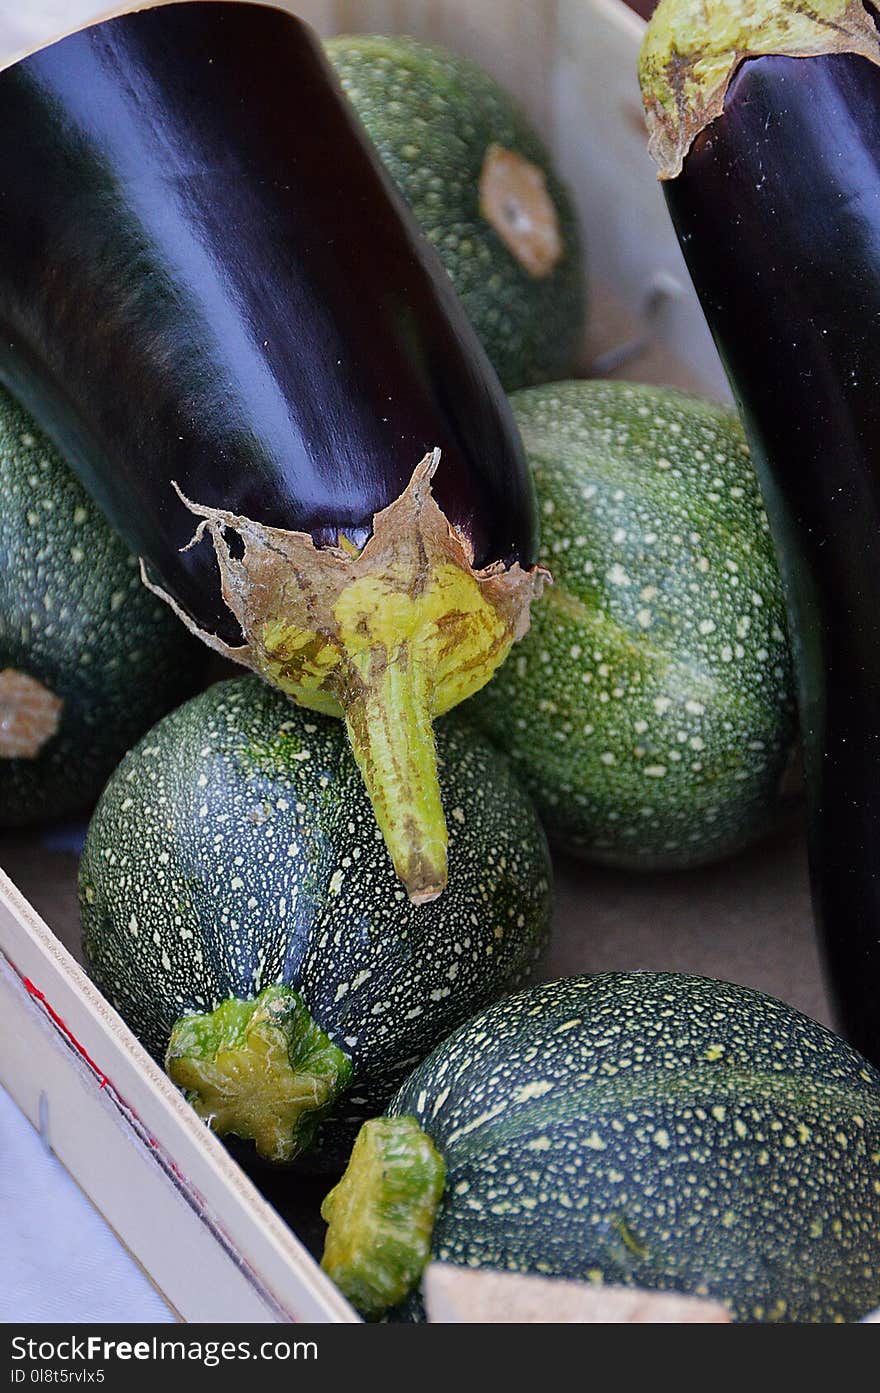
point(215, 303)
point(765, 122)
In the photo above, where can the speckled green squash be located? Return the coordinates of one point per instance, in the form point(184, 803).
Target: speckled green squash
point(79, 626)
point(434, 118)
point(235, 849)
point(660, 1131)
point(650, 709)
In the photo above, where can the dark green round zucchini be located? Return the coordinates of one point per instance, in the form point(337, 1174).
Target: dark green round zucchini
point(650, 710)
point(241, 911)
point(648, 1129)
point(88, 658)
point(483, 189)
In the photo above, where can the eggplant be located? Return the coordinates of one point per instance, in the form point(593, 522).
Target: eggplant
point(765, 123)
point(216, 305)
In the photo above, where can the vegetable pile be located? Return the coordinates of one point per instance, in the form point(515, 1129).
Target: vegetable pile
point(281, 407)
point(281, 379)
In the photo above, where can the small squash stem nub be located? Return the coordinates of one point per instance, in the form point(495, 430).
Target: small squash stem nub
point(260, 1069)
point(381, 1215)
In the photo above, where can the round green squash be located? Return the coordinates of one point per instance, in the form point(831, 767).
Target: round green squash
point(241, 912)
point(89, 659)
point(650, 710)
point(646, 1129)
point(483, 189)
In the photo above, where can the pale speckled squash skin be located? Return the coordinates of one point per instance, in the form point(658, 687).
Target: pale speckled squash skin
point(236, 848)
point(661, 1131)
point(650, 709)
point(432, 115)
point(75, 616)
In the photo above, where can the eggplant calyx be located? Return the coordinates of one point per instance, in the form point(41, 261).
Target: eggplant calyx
point(387, 638)
point(30, 715)
point(260, 1069)
point(692, 49)
point(381, 1215)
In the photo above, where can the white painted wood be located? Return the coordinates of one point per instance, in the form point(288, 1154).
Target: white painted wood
point(462, 1295)
point(26, 25)
point(153, 1216)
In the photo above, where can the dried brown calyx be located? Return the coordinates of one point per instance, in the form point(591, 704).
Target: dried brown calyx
point(387, 638)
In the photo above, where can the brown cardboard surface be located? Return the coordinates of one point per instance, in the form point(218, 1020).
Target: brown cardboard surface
point(46, 878)
point(745, 920)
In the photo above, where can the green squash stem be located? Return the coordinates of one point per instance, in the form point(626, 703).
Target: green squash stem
point(260, 1069)
point(381, 1215)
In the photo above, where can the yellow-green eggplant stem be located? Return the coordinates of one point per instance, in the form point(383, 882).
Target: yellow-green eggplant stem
point(388, 718)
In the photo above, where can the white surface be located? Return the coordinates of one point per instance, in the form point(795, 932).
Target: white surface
point(58, 1259)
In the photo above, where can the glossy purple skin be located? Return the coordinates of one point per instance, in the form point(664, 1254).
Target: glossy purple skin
point(778, 214)
point(206, 276)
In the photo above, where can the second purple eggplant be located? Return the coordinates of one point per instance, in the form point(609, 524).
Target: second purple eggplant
point(765, 123)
